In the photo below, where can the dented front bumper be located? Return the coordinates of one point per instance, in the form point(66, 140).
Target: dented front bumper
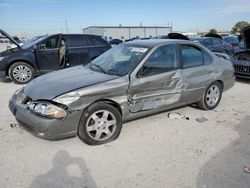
point(43, 127)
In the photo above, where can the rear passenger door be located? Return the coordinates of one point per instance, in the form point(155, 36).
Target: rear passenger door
point(197, 72)
point(77, 53)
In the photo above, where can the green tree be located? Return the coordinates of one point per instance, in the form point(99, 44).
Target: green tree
point(238, 26)
point(213, 31)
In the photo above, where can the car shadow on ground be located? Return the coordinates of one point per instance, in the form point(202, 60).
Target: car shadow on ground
point(225, 169)
point(60, 175)
point(5, 80)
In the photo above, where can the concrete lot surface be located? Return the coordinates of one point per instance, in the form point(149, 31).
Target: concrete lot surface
point(155, 151)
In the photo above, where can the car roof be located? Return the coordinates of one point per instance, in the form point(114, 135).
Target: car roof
point(78, 34)
point(203, 38)
point(156, 42)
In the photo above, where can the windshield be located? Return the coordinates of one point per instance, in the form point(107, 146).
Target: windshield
point(33, 39)
point(119, 60)
point(31, 42)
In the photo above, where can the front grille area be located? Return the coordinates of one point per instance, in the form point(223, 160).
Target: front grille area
point(242, 68)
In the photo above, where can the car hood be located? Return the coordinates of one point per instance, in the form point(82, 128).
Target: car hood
point(51, 85)
point(245, 32)
point(10, 38)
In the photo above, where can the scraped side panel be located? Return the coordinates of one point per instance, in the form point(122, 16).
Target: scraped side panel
point(155, 92)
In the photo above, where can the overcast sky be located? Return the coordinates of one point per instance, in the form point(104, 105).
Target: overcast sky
point(33, 17)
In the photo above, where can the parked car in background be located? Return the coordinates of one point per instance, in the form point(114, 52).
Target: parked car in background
point(214, 44)
point(11, 45)
point(115, 42)
point(232, 40)
point(5, 43)
point(129, 81)
point(133, 38)
point(172, 36)
point(49, 53)
point(242, 58)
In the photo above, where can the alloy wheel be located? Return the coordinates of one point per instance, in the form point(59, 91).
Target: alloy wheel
point(101, 125)
point(212, 95)
point(22, 73)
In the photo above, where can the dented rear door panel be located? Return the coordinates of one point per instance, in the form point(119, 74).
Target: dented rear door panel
point(195, 82)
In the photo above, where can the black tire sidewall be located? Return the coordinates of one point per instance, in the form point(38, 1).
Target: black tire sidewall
point(82, 131)
point(205, 95)
point(13, 66)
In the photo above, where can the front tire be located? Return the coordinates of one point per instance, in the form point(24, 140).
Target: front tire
point(99, 124)
point(21, 73)
point(212, 96)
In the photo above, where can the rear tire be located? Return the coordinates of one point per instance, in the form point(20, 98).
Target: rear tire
point(21, 73)
point(99, 124)
point(212, 96)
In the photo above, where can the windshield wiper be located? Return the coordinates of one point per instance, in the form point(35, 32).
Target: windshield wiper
point(113, 72)
point(99, 68)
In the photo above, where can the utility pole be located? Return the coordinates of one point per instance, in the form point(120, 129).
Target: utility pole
point(66, 25)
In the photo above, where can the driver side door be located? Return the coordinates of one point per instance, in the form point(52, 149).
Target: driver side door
point(159, 83)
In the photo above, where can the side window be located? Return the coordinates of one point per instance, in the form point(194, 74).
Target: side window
point(73, 41)
point(191, 56)
point(49, 43)
point(217, 42)
point(87, 40)
point(162, 60)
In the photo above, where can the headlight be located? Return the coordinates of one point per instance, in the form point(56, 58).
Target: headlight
point(20, 90)
point(47, 109)
point(1, 58)
point(67, 98)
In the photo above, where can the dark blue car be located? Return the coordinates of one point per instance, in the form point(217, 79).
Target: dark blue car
point(49, 53)
point(214, 44)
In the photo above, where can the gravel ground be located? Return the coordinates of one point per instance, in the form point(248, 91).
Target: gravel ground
point(155, 151)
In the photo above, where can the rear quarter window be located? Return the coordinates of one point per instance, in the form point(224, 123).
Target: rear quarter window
point(207, 58)
point(97, 41)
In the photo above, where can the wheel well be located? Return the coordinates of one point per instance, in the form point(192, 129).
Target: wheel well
point(221, 83)
point(110, 102)
point(7, 70)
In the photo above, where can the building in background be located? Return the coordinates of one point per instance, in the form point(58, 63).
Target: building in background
point(127, 32)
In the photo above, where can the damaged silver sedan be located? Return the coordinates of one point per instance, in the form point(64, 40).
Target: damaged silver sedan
point(129, 81)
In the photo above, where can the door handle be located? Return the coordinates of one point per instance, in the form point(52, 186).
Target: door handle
point(177, 75)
